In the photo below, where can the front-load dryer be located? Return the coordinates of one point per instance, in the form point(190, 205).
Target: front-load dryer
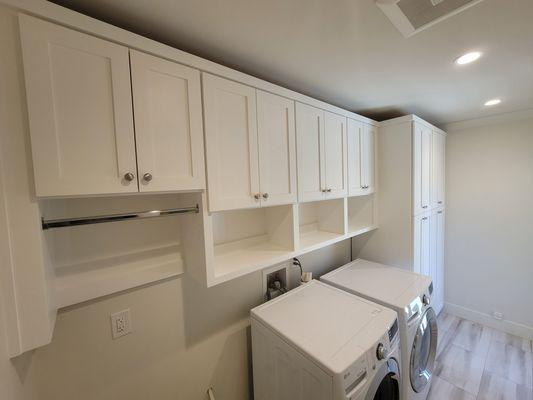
point(317, 342)
point(409, 294)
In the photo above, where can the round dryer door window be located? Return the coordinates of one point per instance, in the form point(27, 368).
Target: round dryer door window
point(386, 383)
point(423, 351)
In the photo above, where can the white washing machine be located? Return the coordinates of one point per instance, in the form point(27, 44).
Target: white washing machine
point(317, 342)
point(409, 294)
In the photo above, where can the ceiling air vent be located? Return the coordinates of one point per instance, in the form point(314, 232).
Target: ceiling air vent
point(412, 16)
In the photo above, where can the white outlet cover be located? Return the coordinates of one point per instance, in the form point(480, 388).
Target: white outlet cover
point(121, 323)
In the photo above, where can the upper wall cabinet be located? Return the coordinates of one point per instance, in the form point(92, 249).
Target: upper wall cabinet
point(81, 116)
point(168, 124)
point(438, 166)
point(322, 154)
point(421, 168)
point(250, 146)
point(361, 160)
point(80, 111)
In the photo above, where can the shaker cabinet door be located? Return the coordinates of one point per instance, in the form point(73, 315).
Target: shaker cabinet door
point(80, 111)
point(335, 155)
point(168, 124)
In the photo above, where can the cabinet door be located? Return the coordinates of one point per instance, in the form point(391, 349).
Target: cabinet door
point(310, 156)
point(422, 245)
point(437, 229)
point(421, 168)
point(354, 136)
point(368, 158)
point(168, 124)
point(335, 155)
point(277, 149)
point(80, 111)
point(231, 144)
point(438, 166)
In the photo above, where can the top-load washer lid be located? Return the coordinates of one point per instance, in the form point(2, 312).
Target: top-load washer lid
point(390, 286)
point(329, 325)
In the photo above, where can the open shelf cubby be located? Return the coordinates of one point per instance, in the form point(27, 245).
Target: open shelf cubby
point(320, 222)
point(90, 261)
point(248, 240)
point(361, 214)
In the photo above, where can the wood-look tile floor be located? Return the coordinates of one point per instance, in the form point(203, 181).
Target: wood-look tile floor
point(475, 362)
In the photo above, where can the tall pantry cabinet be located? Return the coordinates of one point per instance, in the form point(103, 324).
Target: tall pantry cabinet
point(411, 180)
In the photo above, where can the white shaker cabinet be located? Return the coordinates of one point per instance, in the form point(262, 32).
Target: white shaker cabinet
point(422, 135)
point(322, 154)
point(422, 244)
point(80, 111)
point(168, 124)
point(438, 166)
point(361, 159)
point(277, 149)
point(437, 256)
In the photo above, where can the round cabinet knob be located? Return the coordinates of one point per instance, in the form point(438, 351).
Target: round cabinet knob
point(381, 351)
point(265, 196)
point(129, 177)
point(328, 190)
point(257, 196)
point(426, 300)
point(147, 177)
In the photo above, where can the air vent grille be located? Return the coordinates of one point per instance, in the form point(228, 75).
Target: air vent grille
point(411, 16)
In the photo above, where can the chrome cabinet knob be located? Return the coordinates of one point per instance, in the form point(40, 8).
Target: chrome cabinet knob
point(381, 351)
point(147, 177)
point(265, 196)
point(323, 190)
point(328, 190)
point(129, 177)
point(424, 206)
point(257, 196)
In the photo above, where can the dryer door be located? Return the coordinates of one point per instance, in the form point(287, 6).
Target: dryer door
point(386, 384)
point(423, 351)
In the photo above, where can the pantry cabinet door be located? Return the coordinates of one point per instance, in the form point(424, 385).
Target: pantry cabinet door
point(422, 244)
point(80, 111)
point(277, 149)
point(310, 155)
point(438, 258)
point(354, 136)
point(335, 155)
point(231, 144)
point(438, 167)
point(368, 149)
point(168, 124)
point(421, 168)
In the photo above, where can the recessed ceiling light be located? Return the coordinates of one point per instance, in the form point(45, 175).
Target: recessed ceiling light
point(468, 58)
point(493, 102)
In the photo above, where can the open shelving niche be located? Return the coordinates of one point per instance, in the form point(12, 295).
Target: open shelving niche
point(321, 222)
point(362, 214)
point(91, 261)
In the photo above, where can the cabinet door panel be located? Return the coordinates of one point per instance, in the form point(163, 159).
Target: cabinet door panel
point(422, 245)
point(354, 138)
point(421, 168)
point(368, 158)
point(168, 124)
point(80, 111)
point(231, 144)
point(310, 144)
point(277, 149)
point(438, 258)
point(335, 154)
point(438, 166)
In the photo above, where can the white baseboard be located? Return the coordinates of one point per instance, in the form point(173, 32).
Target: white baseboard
point(511, 327)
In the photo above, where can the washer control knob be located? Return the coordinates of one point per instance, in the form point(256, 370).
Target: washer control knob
point(381, 351)
point(425, 300)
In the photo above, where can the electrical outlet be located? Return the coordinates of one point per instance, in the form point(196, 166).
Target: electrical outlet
point(497, 315)
point(120, 323)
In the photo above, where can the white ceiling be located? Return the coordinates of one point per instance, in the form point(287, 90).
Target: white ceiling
point(346, 52)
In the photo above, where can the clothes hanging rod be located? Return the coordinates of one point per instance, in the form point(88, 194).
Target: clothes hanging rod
point(99, 219)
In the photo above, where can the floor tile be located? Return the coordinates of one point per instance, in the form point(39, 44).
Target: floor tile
point(494, 387)
point(511, 363)
point(507, 338)
point(444, 339)
point(460, 366)
point(473, 337)
point(443, 390)
point(446, 321)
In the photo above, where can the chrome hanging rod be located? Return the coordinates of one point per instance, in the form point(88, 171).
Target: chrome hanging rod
point(61, 223)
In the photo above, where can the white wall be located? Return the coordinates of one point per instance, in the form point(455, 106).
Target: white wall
point(489, 221)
